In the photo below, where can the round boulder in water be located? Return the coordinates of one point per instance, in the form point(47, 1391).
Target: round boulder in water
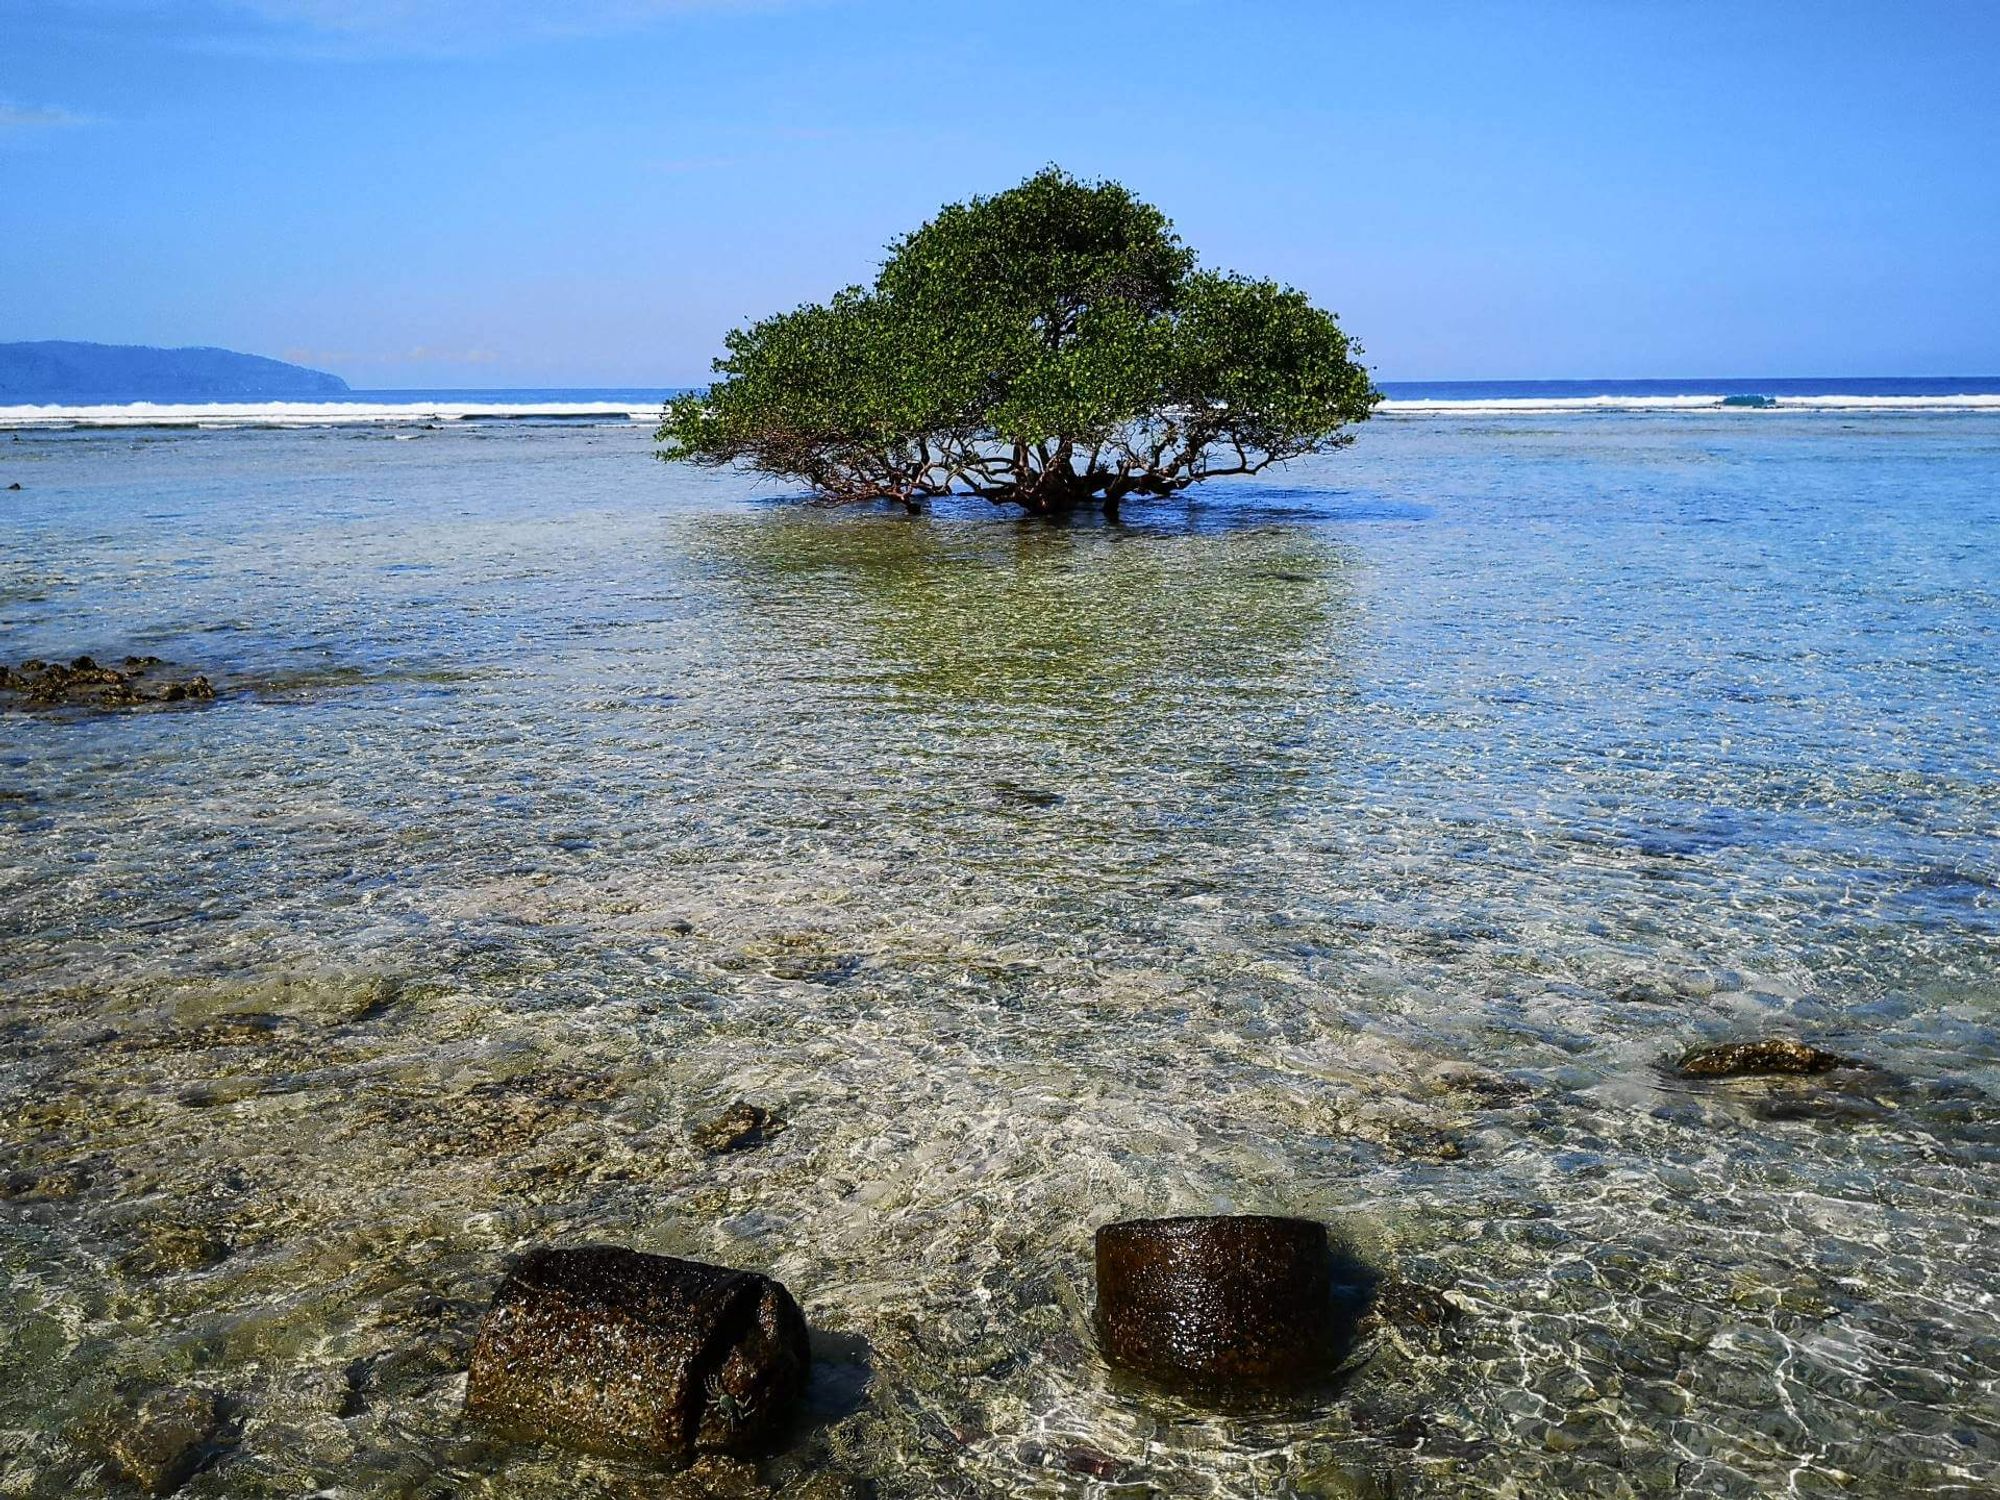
point(638, 1356)
point(1240, 1302)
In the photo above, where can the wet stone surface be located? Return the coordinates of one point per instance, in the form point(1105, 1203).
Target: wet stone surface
point(1222, 1306)
point(1769, 1056)
point(638, 1356)
point(87, 683)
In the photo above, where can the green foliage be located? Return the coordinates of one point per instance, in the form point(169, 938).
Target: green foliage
point(1050, 346)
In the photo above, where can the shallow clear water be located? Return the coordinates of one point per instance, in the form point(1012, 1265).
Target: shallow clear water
point(1355, 845)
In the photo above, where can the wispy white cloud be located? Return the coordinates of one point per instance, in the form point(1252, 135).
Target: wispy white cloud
point(19, 118)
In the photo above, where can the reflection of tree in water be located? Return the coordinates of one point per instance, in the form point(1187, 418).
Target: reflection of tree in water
point(1042, 664)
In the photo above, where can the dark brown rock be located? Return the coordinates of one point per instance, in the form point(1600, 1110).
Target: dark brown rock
point(1222, 1304)
point(162, 1444)
point(84, 682)
point(738, 1128)
point(1081, 1458)
point(638, 1356)
point(1769, 1055)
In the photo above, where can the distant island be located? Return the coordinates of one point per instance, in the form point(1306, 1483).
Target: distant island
point(60, 372)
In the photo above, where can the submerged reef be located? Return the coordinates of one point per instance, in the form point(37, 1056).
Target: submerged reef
point(1371, 859)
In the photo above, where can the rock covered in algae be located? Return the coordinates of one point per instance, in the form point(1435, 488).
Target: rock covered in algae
point(1218, 1304)
point(163, 1443)
point(638, 1356)
point(1769, 1055)
point(90, 683)
point(1411, 1305)
point(739, 1128)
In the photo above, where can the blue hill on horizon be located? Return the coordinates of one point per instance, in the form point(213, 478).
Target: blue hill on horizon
point(60, 371)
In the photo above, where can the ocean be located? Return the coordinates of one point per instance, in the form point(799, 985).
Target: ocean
point(1363, 841)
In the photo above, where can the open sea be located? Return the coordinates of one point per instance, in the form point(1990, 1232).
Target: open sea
point(1364, 841)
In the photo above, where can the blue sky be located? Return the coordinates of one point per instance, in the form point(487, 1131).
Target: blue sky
point(444, 192)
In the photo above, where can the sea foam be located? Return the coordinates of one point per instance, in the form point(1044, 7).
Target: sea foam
point(284, 414)
point(320, 413)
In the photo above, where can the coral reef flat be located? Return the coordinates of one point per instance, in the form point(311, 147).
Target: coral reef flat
point(563, 825)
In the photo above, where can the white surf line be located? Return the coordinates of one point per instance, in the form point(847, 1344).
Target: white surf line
point(314, 414)
point(281, 414)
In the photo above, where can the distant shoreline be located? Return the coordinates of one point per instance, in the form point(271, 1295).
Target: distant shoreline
point(83, 373)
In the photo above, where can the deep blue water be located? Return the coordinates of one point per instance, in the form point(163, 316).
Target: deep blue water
point(1733, 385)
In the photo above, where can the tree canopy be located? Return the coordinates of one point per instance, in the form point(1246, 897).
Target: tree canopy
point(1052, 346)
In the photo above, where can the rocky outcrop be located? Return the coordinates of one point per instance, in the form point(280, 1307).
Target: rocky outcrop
point(638, 1356)
point(1219, 1304)
point(1769, 1055)
point(88, 683)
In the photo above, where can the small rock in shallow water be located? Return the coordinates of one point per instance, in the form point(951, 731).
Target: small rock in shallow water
point(738, 1128)
point(1080, 1458)
point(1407, 1304)
point(162, 1444)
point(83, 682)
point(1219, 1304)
point(1770, 1055)
point(830, 1486)
point(638, 1356)
point(45, 1185)
point(1026, 796)
point(167, 1248)
point(718, 1477)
